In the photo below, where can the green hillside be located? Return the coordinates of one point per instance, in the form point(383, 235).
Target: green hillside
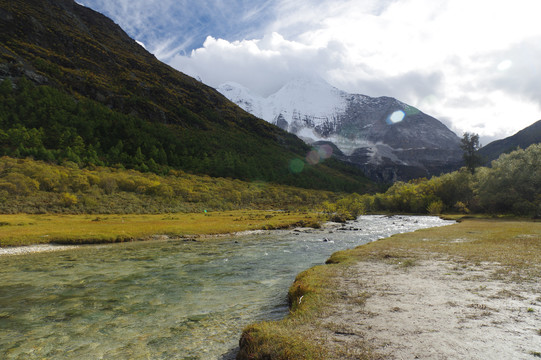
point(76, 88)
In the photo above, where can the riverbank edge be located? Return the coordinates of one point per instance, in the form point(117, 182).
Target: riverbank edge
point(37, 248)
point(28, 230)
point(313, 290)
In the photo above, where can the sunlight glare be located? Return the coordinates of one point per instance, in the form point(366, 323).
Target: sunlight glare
point(396, 117)
point(318, 154)
point(325, 151)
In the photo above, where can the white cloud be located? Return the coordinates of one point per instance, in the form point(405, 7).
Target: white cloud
point(141, 43)
point(472, 64)
point(170, 27)
point(262, 65)
point(441, 56)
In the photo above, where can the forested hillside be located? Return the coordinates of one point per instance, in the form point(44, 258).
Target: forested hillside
point(74, 87)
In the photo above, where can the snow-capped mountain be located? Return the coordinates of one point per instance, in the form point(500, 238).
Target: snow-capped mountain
point(389, 139)
point(299, 106)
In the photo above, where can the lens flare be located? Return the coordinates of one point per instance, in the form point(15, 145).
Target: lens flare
point(410, 110)
point(396, 117)
point(313, 157)
point(324, 151)
point(296, 166)
point(428, 101)
point(318, 154)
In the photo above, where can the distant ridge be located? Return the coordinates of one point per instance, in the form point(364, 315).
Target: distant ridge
point(524, 138)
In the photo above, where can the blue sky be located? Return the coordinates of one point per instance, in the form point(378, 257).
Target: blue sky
point(473, 64)
point(169, 27)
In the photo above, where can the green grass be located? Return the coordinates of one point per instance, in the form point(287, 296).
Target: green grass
point(290, 338)
point(514, 244)
point(77, 229)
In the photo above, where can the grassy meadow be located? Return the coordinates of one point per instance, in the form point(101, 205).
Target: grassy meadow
point(28, 229)
point(513, 244)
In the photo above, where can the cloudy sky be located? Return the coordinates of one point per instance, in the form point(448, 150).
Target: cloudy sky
point(473, 64)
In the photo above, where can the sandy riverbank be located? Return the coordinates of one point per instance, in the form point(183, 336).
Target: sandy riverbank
point(29, 249)
point(432, 310)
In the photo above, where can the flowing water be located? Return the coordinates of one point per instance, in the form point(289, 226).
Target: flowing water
point(170, 299)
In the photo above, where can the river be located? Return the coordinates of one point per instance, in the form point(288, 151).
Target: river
point(171, 299)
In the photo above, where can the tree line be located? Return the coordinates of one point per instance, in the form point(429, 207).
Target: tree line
point(511, 185)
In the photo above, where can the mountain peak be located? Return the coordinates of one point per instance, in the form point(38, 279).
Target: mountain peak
point(243, 97)
point(235, 90)
point(368, 131)
point(309, 96)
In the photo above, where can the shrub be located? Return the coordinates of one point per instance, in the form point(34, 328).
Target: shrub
point(435, 207)
point(22, 184)
point(524, 208)
point(109, 185)
point(68, 199)
point(461, 207)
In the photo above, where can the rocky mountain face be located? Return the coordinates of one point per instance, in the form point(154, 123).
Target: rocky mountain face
point(388, 139)
point(524, 138)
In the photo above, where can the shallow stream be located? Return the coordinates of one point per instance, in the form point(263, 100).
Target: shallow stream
point(169, 299)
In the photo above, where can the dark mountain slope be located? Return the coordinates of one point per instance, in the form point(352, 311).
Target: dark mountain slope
point(96, 97)
point(523, 139)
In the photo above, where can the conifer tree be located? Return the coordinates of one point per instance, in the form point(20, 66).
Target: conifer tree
point(470, 146)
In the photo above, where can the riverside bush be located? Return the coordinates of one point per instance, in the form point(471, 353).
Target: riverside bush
point(30, 186)
point(435, 208)
point(512, 185)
